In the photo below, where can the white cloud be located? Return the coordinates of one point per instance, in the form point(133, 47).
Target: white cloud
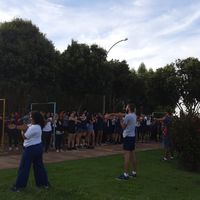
point(158, 32)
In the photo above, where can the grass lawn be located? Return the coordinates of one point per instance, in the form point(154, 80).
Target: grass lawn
point(94, 179)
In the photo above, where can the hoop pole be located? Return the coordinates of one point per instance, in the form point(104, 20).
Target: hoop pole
point(3, 123)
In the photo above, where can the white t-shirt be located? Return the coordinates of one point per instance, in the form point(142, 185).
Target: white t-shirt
point(47, 127)
point(148, 122)
point(33, 135)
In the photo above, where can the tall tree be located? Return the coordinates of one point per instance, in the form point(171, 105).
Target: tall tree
point(163, 88)
point(188, 73)
point(28, 61)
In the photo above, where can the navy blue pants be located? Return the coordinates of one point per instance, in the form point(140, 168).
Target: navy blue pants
point(32, 155)
point(59, 141)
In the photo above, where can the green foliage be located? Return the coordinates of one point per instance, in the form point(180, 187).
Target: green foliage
point(142, 70)
point(120, 79)
point(163, 90)
point(187, 141)
point(28, 60)
point(188, 73)
point(31, 70)
point(83, 69)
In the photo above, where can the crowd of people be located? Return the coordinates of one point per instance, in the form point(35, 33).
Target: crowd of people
point(73, 130)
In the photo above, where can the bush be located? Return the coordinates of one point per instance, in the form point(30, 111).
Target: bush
point(187, 141)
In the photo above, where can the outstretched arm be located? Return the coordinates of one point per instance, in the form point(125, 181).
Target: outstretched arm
point(110, 115)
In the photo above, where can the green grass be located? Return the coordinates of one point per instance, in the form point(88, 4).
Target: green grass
point(94, 179)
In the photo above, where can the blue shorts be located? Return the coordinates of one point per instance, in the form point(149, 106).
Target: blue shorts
point(167, 141)
point(129, 143)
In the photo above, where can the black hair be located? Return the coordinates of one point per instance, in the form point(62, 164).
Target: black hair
point(38, 118)
point(132, 107)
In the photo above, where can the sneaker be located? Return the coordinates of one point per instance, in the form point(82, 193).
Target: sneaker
point(122, 177)
point(57, 151)
point(165, 159)
point(10, 149)
point(131, 175)
point(46, 187)
point(172, 157)
point(14, 189)
point(16, 148)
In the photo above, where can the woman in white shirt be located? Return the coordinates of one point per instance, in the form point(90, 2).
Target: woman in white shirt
point(32, 154)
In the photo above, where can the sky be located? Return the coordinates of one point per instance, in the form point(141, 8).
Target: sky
point(158, 31)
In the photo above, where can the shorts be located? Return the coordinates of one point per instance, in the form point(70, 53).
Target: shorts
point(167, 141)
point(129, 143)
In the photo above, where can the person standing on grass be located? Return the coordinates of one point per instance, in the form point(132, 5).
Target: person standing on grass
point(167, 136)
point(72, 131)
point(59, 135)
point(99, 126)
point(128, 125)
point(32, 154)
point(12, 134)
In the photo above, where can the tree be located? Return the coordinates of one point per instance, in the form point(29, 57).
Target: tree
point(163, 88)
point(140, 89)
point(120, 84)
point(142, 69)
point(85, 73)
point(28, 61)
point(188, 73)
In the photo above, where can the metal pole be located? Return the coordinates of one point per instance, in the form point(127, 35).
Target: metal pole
point(115, 44)
point(104, 96)
point(3, 123)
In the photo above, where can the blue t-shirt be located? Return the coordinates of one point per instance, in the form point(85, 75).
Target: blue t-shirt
point(130, 122)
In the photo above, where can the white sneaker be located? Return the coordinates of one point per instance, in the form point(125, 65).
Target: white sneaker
point(10, 148)
point(165, 159)
point(132, 175)
point(57, 151)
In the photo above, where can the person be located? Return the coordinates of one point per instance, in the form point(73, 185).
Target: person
point(167, 136)
point(143, 128)
point(118, 131)
point(129, 125)
point(32, 154)
point(59, 136)
point(90, 132)
point(47, 132)
point(99, 126)
point(12, 134)
point(72, 131)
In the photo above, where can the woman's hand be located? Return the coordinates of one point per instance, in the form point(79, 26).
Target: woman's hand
point(22, 127)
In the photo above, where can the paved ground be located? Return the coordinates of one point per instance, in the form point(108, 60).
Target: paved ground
point(12, 159)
